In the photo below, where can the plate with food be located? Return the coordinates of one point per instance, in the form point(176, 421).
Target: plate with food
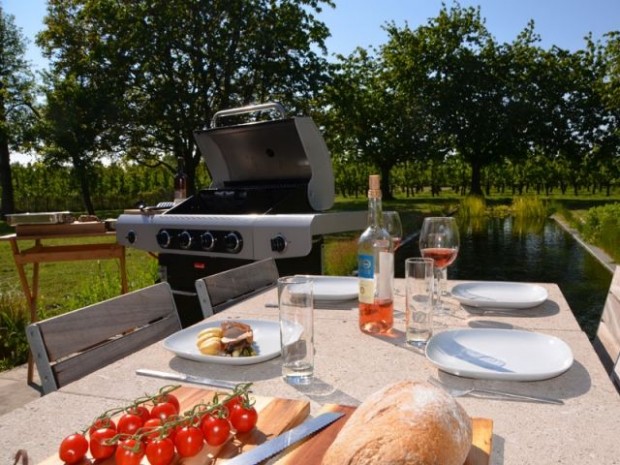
point(498, 294)
point(228, 342)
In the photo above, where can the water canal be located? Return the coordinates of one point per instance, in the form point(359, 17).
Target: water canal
point(507, 250)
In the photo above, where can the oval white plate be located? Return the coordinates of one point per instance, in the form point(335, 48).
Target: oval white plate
point(504, 354)
point(497, 294)
point(266, 342)
point(335, 287)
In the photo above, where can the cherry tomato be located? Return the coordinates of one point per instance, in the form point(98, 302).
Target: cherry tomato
point(171, 429)
point(169, 398)
point(160, 451)
point(73, 448)
point(233, 402)
point(129, 452)
point(216, 430)
point(129, 423)
point(188, 441)
point(100, 447)
point(102, 422)
point(150, 425)
point(141, 411)
point(243, 418)
point(163, 411)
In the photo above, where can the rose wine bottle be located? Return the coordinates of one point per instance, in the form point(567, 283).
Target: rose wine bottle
point(180, 182)
point(375, 268)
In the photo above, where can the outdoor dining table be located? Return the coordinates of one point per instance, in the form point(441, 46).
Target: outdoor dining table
point(350, 365)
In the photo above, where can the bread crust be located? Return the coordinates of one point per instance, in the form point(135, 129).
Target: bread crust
point(406, 423)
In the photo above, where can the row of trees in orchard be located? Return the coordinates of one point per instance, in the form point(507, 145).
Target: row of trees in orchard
point(440, 105)
point(119, 186)
point(447, 89)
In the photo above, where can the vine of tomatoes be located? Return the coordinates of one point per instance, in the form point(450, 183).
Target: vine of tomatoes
point(153, 426)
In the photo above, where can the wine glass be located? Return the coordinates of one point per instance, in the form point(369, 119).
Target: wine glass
point(439, 240)
point(393, 225)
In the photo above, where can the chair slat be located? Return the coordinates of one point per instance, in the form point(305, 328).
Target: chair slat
point(74, 344)
point(220, 290)
point(64, 334)
point(73, 368)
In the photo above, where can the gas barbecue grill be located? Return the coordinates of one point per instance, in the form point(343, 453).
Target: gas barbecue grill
point(272, 184)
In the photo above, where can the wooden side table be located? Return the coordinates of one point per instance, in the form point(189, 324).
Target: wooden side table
point(40, 253)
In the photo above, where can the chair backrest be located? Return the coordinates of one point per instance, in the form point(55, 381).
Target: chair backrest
point(72, 345)
point(607, 339)
point(221, 290)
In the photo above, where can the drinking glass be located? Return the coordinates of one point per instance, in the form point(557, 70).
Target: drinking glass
point(439, 240)
point(419, 282)
point(393, 225)
point(295, 299)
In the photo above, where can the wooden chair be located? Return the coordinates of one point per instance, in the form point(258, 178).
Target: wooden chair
point(221, 290)
point(607, 339)
point(70, 346)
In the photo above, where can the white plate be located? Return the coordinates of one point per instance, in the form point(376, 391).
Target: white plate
point(266, 343)
point(497, 294)
point(506, 354)
point(335, 287)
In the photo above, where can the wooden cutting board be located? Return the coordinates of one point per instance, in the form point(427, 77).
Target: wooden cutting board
point(276, 415)
point(311, 451)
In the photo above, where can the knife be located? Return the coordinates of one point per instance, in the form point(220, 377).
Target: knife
point(187, 378)
point(284, 440)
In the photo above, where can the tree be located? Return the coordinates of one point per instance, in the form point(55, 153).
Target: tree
point(177, 62)
point(17, 102)
point(462, 76)
point(368, 120)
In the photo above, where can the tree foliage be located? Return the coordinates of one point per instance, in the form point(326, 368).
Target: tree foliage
point(17, 102)
point(170, 65)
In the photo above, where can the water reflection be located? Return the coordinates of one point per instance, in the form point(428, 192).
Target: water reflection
point(507, 249)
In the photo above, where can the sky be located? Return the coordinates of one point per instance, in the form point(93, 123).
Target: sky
point(354, 23)
point(359, 22)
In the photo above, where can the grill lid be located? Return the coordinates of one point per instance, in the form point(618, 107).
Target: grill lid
point(284, 151)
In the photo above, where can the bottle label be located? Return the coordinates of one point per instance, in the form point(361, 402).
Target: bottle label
point(366, 275)
point(386, 275)
point(366, 266)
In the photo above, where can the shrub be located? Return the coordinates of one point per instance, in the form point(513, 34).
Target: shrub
point(602, 227)
point(342, 257)
point(472, 206)
point(529, 207)
point(13, 321)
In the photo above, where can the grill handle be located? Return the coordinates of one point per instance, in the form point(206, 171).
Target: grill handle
point(248, 109)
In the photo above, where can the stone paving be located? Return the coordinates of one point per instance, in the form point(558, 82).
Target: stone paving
point(14, 389)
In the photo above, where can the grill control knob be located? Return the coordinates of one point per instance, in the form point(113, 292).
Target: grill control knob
point(185, 240)
point(164, 239)
point(233, 242)
point(207, 241)
point(131, 237)
point(278, 243)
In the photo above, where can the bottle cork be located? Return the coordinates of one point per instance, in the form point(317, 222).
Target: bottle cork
point(374, 186)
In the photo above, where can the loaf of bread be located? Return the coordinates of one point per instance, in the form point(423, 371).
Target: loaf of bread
point(410, 422)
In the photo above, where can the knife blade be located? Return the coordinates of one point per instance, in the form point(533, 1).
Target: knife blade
point(284, 440)
point(187, 378)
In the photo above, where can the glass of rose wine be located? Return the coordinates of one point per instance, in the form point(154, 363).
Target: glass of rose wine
point(393, 225)
point(439, 240)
